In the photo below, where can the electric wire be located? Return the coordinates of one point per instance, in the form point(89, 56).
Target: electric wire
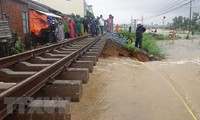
point(173, 7)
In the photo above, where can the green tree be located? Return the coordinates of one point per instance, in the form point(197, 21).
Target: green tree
point(89, 14)
point(181, 22)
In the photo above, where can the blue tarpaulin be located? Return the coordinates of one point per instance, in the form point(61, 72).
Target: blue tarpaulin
point(123, 42)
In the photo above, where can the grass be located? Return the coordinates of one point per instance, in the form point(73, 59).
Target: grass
point(148, 43)
point(162, 37)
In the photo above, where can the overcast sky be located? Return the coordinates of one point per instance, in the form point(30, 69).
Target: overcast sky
point(123, 10)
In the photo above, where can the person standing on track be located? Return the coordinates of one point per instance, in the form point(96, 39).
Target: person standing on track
point(140, 29)
point(101, 23)
point(72, 28)
point(85, 24)
point(93, 25)
point(110, 24)
point(78, 23)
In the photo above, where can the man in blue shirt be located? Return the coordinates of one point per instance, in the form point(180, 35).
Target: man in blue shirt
point(140, 29)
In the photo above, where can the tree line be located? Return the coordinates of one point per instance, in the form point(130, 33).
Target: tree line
point(183, 23)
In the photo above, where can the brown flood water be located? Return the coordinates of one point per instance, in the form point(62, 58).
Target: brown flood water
point(125, 89)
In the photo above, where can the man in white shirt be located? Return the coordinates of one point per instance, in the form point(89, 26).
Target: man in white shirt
point(101, 22)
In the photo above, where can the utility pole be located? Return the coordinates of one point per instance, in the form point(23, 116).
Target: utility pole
point(163, 24)
point(142, 18)
point(151, 25)
point(190, 22)
point(132, 21)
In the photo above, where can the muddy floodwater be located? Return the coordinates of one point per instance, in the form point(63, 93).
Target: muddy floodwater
point(126, 89)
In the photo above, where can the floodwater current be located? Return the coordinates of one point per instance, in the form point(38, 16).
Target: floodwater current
point(126, 89)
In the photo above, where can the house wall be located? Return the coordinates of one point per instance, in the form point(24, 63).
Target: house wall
point(67, 6)
point(14, 9)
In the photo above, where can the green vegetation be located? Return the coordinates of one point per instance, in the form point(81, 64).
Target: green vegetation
point(182, 23)
point(162, 37)
point(89, 14)
point(131, 47)
point(17, 46)
point(148, 43)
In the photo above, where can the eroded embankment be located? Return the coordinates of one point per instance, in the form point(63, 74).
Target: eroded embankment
point(113, 48)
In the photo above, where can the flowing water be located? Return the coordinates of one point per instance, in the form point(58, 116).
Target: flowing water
point(126, 89)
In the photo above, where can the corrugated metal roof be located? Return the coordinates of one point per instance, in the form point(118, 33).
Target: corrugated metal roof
point(49, 14)
point(38, 6)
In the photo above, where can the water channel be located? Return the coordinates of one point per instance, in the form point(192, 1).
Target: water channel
point(125, 89)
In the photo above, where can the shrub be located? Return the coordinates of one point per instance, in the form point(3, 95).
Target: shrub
point(130, 47)
point(148, 43)
point(17, 46)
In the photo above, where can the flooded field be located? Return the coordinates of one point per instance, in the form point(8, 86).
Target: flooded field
point(126, 89)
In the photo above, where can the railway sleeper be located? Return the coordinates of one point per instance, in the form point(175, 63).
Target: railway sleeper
point(61, 52)
point(5, 86)
point(89, 58)
point(74, 74)
point(43, 110)
point(52, 55)
point(100, 45)
point(66, 89)
point(82, 64)
point(97, 46)
point(97, 54)
point(100, 48)
point(65, 49)
point(77, 45)
point(41, 60)
point(72, 47)
point(26, 66)
point(7, 75)
point(94, 50)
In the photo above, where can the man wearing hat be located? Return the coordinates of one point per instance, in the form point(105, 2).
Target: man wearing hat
point(52, 32)
point(140, 29)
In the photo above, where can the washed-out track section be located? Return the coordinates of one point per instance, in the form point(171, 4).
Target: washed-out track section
point(53, 73)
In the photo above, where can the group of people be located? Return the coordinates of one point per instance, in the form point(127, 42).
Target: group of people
point(63, 28)
point(56, 32)
point(97, 25)
point(91, 26)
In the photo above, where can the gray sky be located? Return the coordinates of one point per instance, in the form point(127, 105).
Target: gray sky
point(123, 10)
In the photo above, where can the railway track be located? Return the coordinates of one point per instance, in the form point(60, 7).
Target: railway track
point(25, 74)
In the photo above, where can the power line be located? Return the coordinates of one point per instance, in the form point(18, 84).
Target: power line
point(172, 9)
point(178, 2)
point(168, 6)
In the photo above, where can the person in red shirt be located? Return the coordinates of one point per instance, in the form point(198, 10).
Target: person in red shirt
point(72, 28)
point(117, 28)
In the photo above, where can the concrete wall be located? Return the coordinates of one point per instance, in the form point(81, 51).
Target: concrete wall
point(66, 6)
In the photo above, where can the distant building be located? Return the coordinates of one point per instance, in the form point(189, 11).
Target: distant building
point(67, 6)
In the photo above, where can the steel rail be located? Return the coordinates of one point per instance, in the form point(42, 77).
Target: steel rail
point(34, 83)
point(6, 61)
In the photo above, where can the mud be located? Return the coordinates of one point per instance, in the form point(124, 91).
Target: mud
point(114, 49)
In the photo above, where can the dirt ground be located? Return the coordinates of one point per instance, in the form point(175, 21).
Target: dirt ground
point(114, 49)
point(122, 88)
